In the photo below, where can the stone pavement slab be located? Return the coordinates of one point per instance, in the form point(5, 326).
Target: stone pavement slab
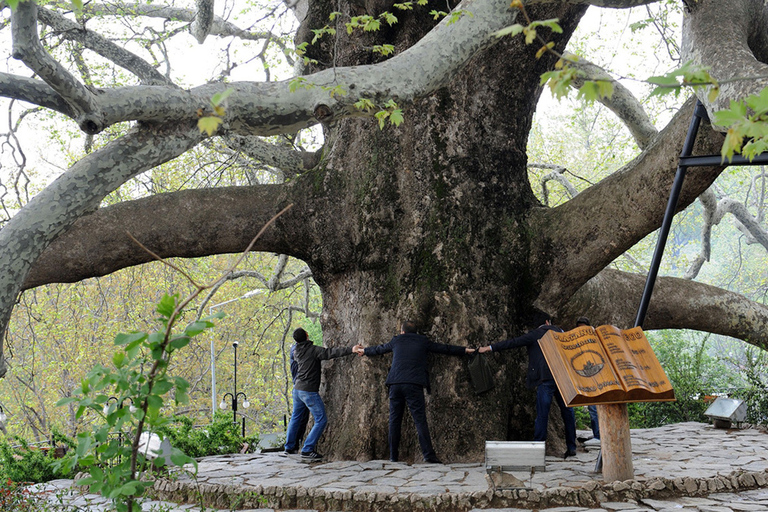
point(684, 467)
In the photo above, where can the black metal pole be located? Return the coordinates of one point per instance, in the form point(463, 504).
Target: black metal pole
point(677, 185)
point(234, 395)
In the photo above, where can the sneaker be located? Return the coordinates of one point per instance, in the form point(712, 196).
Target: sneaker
point(569, 453)
point(432, 460)
point(291, 452)
point(313, 455)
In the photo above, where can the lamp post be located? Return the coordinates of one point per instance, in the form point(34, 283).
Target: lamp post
point(213, 350)
point(234, 396)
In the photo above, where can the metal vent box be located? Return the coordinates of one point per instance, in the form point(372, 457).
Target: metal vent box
point(515, 455)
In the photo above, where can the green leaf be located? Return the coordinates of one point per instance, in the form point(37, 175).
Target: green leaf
point(118, 359)
point(219, 97)
point(382, 116)
point(162, 387)
point(588, 92)
point(167, 305)
point(365, 104)
point(511, 30)
point(209, 124)
point(197, 327)
point(180, 459)
point(390, 18)
point(126, 338)
point(396, 117)
point(530, 34)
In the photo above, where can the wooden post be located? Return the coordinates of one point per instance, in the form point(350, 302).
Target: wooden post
point(615, 444)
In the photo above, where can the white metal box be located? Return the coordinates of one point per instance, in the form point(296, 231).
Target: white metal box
point(515, 455)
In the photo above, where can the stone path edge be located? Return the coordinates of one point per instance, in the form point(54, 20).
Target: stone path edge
point(240, 497)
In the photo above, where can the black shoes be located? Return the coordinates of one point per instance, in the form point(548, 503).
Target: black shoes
point(291, 452)
point(569, 453)
point(432, 460)
point(313, 455)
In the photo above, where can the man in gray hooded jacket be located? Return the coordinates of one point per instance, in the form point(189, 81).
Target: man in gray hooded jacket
point(306, 385)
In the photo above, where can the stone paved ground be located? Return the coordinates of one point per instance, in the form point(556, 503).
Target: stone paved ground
point(689, 467)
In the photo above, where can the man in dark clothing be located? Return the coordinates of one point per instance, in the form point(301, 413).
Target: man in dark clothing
point(305, 392)
point(540, 377)
point(406, 382)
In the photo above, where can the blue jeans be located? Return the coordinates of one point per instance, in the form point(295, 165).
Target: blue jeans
point(593, 423)
point(545, 392)
point(304, 401)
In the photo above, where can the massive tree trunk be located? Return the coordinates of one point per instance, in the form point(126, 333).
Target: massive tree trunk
point(436, 218)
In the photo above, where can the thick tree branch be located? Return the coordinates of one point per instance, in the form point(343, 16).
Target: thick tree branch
point(99, 44)
point(27, 48)
point(728, 38)
point(612, 297)
point(622, 102)
point(201, 27)
point(53, 210)
point(219, 27)
point(605, 220)
point(615, 4)
point(714, 211)
point(271, 108)
point(33, 91)
point(290, 161)
point(191, 216)
point(555, 175)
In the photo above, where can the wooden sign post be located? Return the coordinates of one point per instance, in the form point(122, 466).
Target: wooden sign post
point(615, 443)
point(607, 367)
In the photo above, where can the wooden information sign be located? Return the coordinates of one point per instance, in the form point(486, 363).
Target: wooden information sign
point(605, 365)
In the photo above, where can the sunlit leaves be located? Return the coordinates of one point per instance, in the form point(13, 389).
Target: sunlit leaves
point(559, 80)
point(210, 123)
point(593, 90)
point(530, 31)
point(389, 111)
point(383, 49)
point(688, 75)
point(747, 124)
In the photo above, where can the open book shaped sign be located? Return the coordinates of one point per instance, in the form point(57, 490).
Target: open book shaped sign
point(605, 365)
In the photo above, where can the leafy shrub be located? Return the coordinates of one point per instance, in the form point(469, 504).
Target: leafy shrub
point(755, 391)
point(694, 374)
point(220, 437)
point(29, 464)
point(15, 496)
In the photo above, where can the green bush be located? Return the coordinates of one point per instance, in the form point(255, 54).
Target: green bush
point(755, 392)
point(219, 437)
point(694, 375)
point(26, 463)
point(16, 497)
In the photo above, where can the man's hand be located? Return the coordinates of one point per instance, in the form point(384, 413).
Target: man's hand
point(358, 349)
point(483, 350)
point(469, 350)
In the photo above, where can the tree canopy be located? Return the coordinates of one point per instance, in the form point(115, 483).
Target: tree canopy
point(431, 217)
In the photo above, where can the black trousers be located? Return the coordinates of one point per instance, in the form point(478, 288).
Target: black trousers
point(411, 395)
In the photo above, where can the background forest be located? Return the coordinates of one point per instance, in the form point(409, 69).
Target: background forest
point(58, 332)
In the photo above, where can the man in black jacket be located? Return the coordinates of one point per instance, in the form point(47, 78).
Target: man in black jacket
point(306, 385)
point(406, 382)
point(540, 377)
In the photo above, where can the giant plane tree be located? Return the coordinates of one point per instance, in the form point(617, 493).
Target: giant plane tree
point(432, 218)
